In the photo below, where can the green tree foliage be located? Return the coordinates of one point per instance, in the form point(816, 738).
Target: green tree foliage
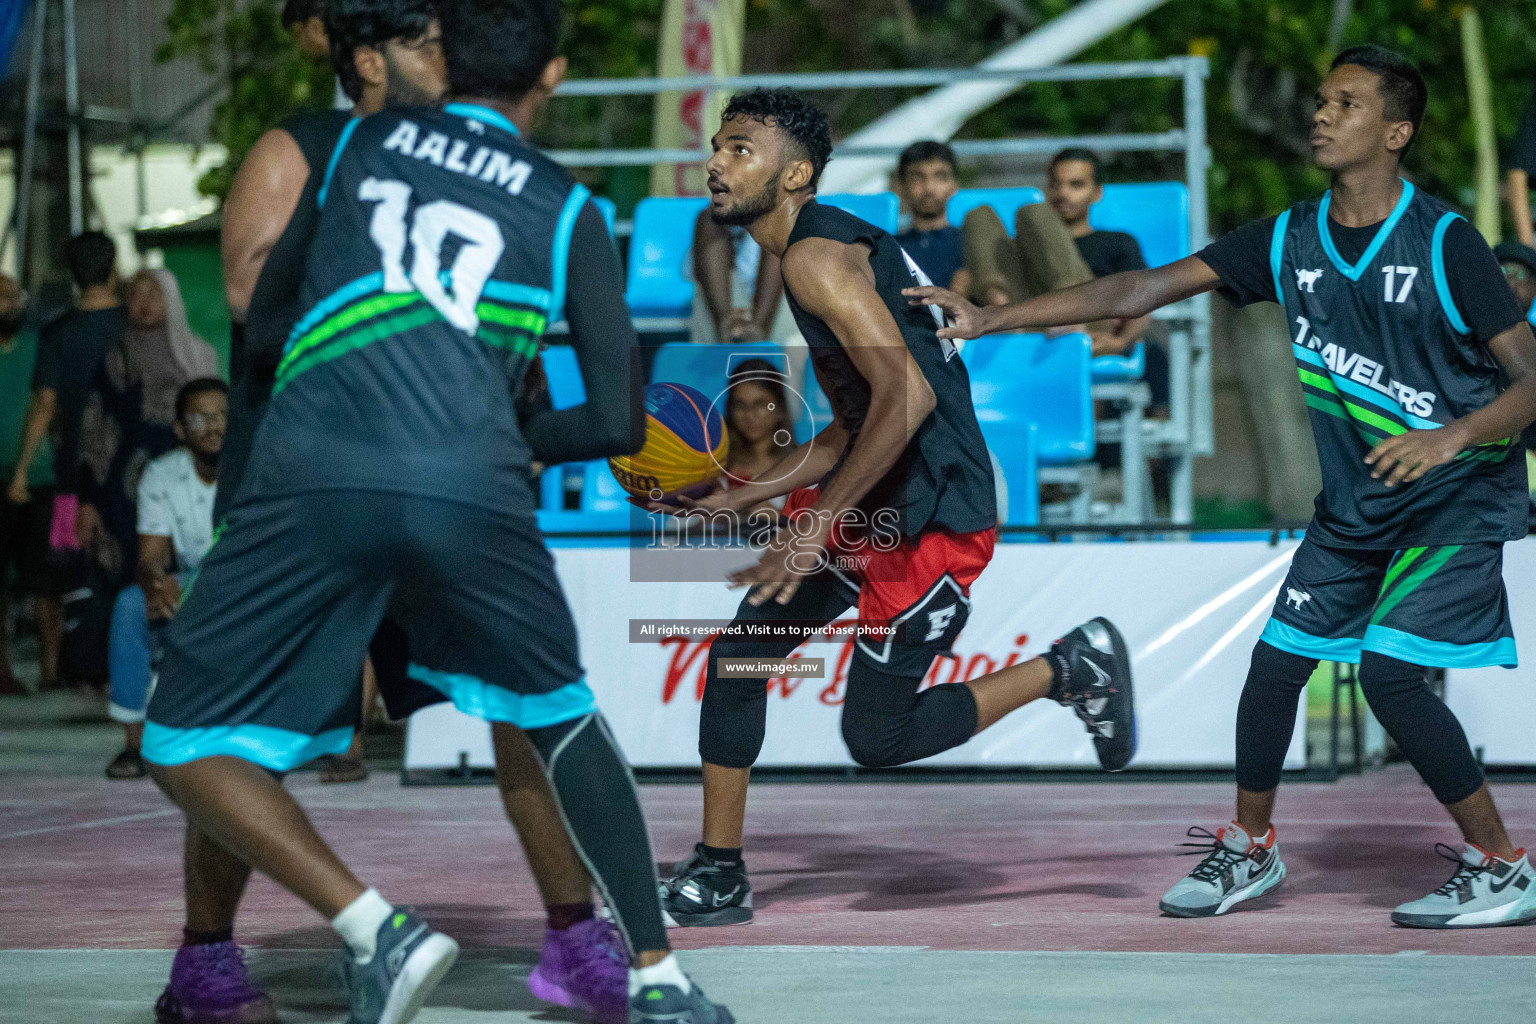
point(268, 78)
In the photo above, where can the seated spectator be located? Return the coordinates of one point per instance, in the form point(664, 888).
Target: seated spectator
point(740, 290)
point(1053, 248)
point(759, 422)
point(24, 526)
point(129, 417)
point(1517, 178)
point(926, 179)
point(175, 530)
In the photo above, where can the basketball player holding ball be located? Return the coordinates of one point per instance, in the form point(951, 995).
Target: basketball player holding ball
point(904, 475)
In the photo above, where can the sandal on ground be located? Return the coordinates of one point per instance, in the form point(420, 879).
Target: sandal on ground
point(127, 765)
point(334, 768)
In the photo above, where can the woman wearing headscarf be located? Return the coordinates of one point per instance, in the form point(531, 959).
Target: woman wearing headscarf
point(130, 416)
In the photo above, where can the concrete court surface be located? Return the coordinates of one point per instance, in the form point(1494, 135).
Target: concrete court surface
point(878, 902)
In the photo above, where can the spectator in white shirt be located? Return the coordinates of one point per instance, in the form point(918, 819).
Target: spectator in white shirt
point(175, 517)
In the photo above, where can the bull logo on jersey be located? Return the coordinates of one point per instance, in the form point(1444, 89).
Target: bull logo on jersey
point(1296, 598)
point(1307, 278)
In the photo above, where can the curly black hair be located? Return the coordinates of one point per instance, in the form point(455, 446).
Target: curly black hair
point(792, 114)
point(353, 23)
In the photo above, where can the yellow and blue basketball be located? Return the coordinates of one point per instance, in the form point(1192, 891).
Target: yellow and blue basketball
point(685, 443)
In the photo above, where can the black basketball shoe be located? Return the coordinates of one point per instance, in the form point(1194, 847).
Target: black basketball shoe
point(1093, 678)
point(702, 892)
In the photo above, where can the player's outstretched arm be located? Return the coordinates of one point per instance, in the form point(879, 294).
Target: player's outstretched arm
point(1406, 457)
point(260, 203)
point(1116, 297)
point(612, 419)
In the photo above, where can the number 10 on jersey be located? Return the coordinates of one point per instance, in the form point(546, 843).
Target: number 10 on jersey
point(457, 297)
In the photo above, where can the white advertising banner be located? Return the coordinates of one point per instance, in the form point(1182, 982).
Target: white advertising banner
point(1191, 613)
point(1496, 706)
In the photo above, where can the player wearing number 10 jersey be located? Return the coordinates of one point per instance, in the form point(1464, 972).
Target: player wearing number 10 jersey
point(390, 475)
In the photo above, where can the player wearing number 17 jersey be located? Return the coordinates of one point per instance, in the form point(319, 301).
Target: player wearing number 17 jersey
point(390, 475)
point(1419, 372)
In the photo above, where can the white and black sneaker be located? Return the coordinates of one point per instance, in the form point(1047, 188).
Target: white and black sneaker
point(703, 892)
point(1093, 678)
point(1484, 892)
point(1235, 868)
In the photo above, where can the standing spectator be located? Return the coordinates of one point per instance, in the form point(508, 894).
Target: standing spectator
point(175, 526)
point(130, 415)
point(1517, 179)
point(24, 526)
point(69, 353)
point(926, 178)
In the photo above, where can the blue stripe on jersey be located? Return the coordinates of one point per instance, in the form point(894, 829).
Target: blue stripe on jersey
point(475, 696)
point(277, 750)
point(1294, 641)
point(1382, 233)
point(524, 294)
point(563, 228)
point(485, 115)
point(1530, 314)
point(1395, 643)
point(334, 301)
point(1437, 265)
point(1277, 251)
point(1376, 398)
point(330, 168)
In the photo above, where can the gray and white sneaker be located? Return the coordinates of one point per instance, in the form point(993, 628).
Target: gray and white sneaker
point(1235, 868)
point(1484, 892)
point(408, 962)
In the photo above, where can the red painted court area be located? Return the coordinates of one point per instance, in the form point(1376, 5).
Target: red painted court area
point(88, 863)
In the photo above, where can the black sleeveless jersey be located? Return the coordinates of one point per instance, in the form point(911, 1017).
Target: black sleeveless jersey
point(438, 259)
point(1382, 349)
point(944, 478)
point(255, 345)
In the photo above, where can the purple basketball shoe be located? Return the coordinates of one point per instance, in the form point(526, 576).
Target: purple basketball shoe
point(585, 967)
point(209, 985)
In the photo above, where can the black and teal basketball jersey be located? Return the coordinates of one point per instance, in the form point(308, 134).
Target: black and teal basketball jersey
point(944, 478)
point(438, 259)
point(1382, 349)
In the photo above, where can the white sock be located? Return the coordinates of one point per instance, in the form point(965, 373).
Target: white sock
point(668, 972)
point(358, 925)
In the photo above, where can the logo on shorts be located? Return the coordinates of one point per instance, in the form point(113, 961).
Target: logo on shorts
point(1307, 278)
point(938, 622)
point(1296, 598)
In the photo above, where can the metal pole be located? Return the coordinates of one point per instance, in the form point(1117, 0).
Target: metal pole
point(1190, 358)
point(23, 205)
point(136, 104)
point(72, 110)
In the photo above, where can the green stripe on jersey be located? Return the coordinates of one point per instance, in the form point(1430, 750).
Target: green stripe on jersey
point(1426, 568)
point(353, 315)
point(375, 330)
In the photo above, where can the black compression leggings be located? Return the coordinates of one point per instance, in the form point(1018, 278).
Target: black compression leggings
point(1398, 693)
point(886, 721)
point(601, 807)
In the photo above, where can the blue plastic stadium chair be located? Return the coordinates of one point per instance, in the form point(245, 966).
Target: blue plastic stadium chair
point(600, 492)
point(814, 414)
point(882, 209)
point(658, 250)
point(1014, 446)
point(1131, 365)
point(1006, 201)
point(708, 367)
point(1029, 378)
point(1155, 213)
point(607, 209)
point(566, 389)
